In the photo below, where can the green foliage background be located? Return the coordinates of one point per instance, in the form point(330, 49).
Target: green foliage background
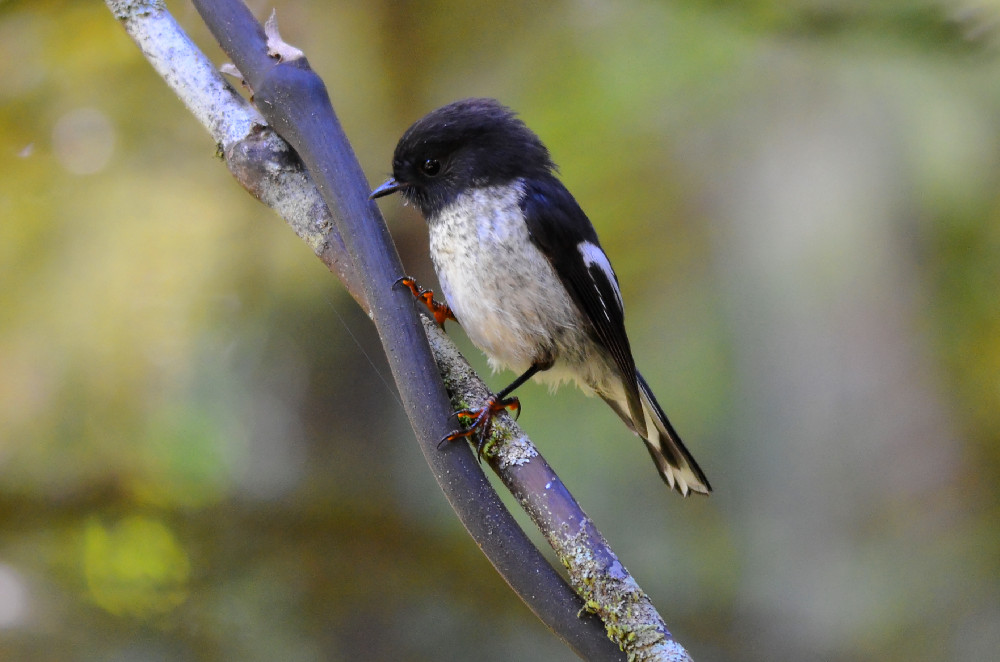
point(201, 454)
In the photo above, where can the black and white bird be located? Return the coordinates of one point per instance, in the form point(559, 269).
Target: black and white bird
point(522, 269)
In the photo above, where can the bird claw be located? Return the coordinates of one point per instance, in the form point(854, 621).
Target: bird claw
point(482, 423)
point(440, 311)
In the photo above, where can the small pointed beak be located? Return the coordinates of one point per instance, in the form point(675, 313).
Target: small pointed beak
point(387, 187)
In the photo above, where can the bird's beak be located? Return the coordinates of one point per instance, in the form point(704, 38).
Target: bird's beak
point(387, 187)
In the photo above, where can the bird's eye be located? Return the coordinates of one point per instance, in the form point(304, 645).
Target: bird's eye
point(430, 167)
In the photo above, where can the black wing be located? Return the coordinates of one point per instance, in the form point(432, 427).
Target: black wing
point(559, 228)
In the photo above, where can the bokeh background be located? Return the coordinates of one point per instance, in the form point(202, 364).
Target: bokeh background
point(202, 456)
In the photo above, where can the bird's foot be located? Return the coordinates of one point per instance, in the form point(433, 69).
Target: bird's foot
point(480, 422)
point(440, 311)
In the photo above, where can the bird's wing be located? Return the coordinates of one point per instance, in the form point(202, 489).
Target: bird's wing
point(564, 234)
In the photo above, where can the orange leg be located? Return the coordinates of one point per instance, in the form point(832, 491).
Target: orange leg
point(440, 311)
point(482, 418)
point(482, 421)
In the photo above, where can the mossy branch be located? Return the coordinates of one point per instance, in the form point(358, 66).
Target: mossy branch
point(319, 189)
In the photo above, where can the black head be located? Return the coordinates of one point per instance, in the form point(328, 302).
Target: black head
point(466, 144)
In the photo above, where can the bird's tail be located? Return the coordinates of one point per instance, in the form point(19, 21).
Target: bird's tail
point(673, 460)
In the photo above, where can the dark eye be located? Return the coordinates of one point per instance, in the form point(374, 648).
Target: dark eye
point(430, 167)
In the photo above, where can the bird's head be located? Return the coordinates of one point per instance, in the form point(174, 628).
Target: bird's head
point(467, 144)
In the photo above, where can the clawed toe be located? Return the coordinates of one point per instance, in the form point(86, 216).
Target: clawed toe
point(440, 311)
point(481, 422)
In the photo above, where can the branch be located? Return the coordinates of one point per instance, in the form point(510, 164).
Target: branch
point(354, 243)
point(607, 588)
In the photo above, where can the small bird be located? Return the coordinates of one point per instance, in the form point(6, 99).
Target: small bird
point(522, 269)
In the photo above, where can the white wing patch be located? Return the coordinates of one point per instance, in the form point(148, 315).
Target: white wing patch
point(593, 256)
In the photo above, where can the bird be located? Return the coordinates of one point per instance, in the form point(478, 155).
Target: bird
point(522, 270)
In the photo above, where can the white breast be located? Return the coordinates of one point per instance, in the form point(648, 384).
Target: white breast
point(501, 288)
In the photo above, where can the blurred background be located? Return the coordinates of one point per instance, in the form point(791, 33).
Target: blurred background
point(202, 456)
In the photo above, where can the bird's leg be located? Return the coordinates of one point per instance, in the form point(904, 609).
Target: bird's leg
point(482, 418)
point(440, 311)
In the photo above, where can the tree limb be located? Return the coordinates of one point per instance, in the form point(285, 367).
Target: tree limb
point(354, 243)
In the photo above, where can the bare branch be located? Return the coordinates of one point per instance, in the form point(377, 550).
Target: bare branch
point(598, 576)
point(295, 101)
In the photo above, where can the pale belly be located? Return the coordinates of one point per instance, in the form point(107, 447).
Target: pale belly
point(506, 295)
